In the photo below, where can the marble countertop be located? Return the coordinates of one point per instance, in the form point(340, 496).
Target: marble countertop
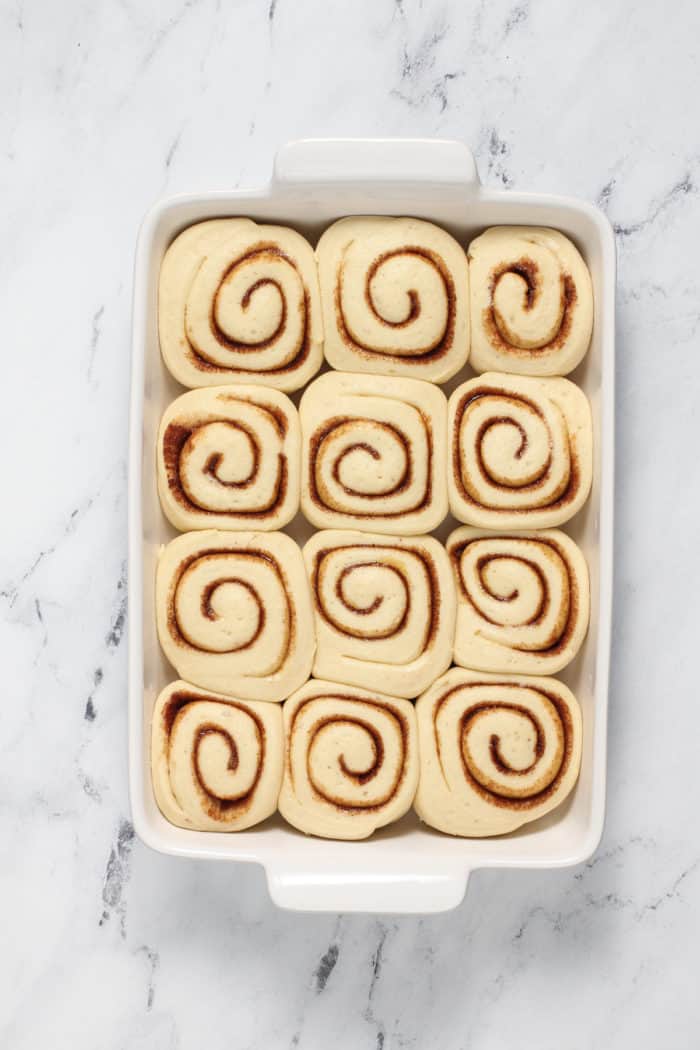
point(107, 106)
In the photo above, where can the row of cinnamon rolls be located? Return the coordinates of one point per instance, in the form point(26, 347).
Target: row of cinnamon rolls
point(378, 453)
point(477, 755)
point(251, 615)
point(248, 303)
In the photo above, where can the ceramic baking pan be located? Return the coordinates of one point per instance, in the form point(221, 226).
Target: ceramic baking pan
point(407, 867)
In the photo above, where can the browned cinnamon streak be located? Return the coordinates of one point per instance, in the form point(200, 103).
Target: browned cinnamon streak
point(497, 758)
point(442, 344)
point(378, 750)
point(529, 271)
point(372, 607)
point(567, 628)
point(208, 611)
point(532, 484)
point(176, 632)
point(327, 428)
point(474, 710)
point(262, 251)
point(375, 551)
point(216, 807)
point(178, 434)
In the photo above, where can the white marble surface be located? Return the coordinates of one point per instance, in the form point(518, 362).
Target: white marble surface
point(108, 105)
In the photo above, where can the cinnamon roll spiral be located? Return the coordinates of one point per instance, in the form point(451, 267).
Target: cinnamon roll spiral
point(385, 609)
point(521, 451)
point(234, 612)
point(216, 763)
point(523, 600)
point(395, 298)
point(240, 303)
point(351, 760)
point(497, 751)
point(229, 457)
point(373, 454)
point(531, 301)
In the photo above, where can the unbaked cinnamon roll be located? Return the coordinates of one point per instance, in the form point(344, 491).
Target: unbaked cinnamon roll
point(228, 457)
point(497, 751)
point(239, 303)
point(234, 612)
point(385, 609)
point(523, 600)
point(351, 760)
point(373, 454)
point(216, 762)
point(395, 296)
point(521, 454)
point(531, 301)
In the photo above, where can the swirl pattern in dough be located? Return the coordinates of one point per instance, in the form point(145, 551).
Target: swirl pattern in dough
point(523, 600)
point(385, 609)
point(373, 454)
point(531, 302)
point(521, 451)
point(234, 612)
point(497, 751)
point(240, 303)
point(395, 295)
point(229, 457)
point(351, 760)
point(216, 763)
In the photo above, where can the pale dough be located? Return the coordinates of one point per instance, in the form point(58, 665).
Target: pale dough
point(385, 609)
point(497, 751)
point(522, 600)
point(531, 301)
point(240, 303)
point(373, 454)
point(216, 763)
point(351, 760)
point(234, 612)
point(229, 457)
point(521, 451)
point(395, 295)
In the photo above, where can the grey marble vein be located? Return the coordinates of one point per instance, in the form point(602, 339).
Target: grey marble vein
point(117, 875)
point(95, 337)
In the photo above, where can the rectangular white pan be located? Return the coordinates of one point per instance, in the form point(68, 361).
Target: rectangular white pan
point(404, 868)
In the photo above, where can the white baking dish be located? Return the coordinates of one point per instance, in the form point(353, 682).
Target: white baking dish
point(405, 868)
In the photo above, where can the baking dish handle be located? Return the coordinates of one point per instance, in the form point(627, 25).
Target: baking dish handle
point(304, 890)
point(324, 161)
